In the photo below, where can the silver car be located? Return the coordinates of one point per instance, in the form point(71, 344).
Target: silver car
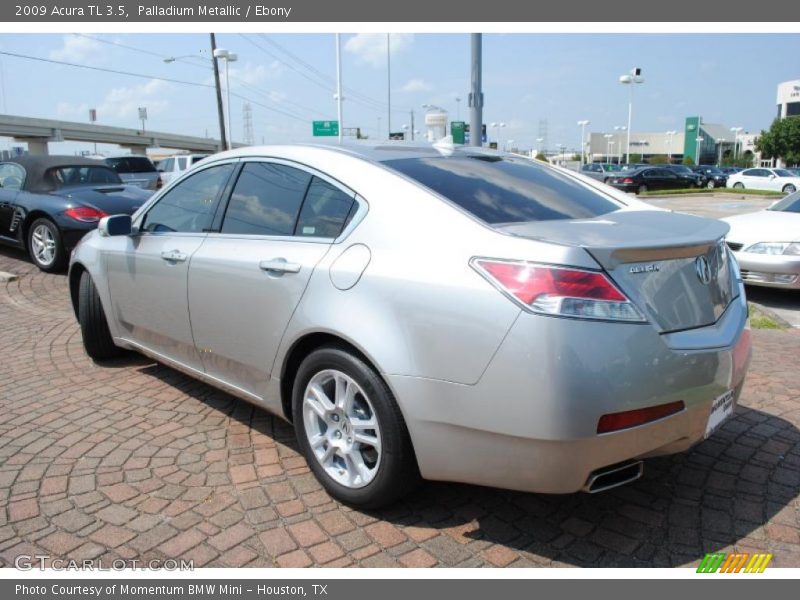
point(767, 244)
point(429, 312)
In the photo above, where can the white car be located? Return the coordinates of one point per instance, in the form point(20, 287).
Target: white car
point(777, 180)
point(173, 167)
point(767, 244)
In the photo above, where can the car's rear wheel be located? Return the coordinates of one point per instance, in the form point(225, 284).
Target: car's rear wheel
point(45, 246)
point(97, 340)
point(642, 189)
point(710, 185)
point(789, 189)
point(738, 185)
point(351, 431)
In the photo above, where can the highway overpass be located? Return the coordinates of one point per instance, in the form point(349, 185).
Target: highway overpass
point(38, 132)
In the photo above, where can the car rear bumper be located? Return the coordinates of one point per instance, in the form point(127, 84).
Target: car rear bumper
point(530, 423)
point(770, 271)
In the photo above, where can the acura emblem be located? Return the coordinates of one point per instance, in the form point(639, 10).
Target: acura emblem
point(703, 270)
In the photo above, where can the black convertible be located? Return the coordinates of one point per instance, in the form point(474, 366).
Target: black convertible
point(47, 203)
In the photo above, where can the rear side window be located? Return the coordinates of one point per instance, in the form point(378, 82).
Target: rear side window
point(325, 210)
point(505, 190)
point(266, 200)
point(189, 206)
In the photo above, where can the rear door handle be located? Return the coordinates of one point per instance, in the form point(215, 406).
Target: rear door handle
point(174, 256)
point(279, 265)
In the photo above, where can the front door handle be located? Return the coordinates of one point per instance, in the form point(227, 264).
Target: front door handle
point(279, 265)
point(174, 256)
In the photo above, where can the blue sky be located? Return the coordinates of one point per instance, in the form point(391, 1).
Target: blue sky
point(729, 79)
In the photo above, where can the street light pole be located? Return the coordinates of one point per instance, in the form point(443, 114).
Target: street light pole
point(389, 82)
point(698, 140)
point(583, 125)
point(476, 93)
point(339, 87)
point(670, 135)
point(223, 140)
point(608, 137)
point(634, 77)
point(719, 154)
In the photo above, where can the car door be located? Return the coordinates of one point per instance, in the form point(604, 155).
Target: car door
point(246, 280)
point(11, 179)
point(148, 271)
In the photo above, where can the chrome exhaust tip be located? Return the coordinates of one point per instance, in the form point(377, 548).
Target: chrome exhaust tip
point(610, 477)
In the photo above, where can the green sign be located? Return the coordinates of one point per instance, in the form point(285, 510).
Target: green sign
point(323, 128)
point(457, 130)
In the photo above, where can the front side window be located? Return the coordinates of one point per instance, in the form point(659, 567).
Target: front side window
point(505, 189)
point(11, 176)
point(189, 206)
point(266, 200)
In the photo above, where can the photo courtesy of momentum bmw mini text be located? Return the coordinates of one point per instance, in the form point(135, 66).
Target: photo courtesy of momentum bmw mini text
point(439, 298)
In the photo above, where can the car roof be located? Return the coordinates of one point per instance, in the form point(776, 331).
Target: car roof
point(37, 165)
point(375, 151)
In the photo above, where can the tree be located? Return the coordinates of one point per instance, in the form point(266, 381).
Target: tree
point(635, 158)
point(659, 159)
point(688, 160)
point(576, 157)
point(782, 140)
point(541, 156)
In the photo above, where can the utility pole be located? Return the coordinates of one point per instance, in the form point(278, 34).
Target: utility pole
point(339, 87)
point(389, 82)
point(223, 140)
point(476, 94)
point(412, 125)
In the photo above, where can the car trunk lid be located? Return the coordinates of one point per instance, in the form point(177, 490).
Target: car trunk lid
point(673, 267)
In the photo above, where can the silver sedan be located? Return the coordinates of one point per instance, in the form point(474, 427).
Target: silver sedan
point(429, 312)
point(767, 244)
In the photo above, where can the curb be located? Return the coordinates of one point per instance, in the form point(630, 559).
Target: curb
point(773, 315)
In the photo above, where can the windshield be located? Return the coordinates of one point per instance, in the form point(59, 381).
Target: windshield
point(783, 173)
point(81, 175)
point(505, 190)
point(789, 204)
point(131, 164)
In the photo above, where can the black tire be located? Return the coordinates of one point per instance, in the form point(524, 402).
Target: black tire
point(397, 473)
point(789, 189)
point(738, 185)
point(59, 261)
point(97, 339)
point(642, 189)
point(710, 184)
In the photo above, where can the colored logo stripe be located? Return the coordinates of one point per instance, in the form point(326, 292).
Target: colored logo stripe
point(734, 563)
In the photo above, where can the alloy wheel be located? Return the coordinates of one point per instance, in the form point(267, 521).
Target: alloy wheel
point(43, 245)
point(342, 428)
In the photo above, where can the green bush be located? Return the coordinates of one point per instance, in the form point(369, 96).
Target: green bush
point(688, 160)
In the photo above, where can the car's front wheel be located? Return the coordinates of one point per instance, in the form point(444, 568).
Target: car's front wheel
point(738, 185)
point(710, 185)
point(351, 431)
point(97, 340)
point(45, 246)
point(789, 189)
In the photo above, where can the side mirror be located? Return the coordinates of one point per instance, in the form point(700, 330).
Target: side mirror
point(772, 176)
point(115, 225)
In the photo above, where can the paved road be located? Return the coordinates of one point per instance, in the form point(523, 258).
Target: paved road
point(134, 460)
point(784, 303)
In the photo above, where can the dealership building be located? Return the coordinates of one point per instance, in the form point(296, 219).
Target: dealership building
point(789, 99)
point(707, 142)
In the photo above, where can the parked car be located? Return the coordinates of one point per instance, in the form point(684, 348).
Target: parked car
point(760, 178)
point(633, 166)
point(730, 170)
point(714, 177)
point(767, 244)
point(173, 167)
point(136, 169)
point(47, 203)
point(689, 179)
point(461, 315)
point(645, 179)
point(600, 171)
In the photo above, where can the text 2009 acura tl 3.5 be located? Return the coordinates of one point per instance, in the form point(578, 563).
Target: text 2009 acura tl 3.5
point(450, 314)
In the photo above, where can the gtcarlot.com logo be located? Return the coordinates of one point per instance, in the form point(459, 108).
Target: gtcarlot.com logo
point(739, 562)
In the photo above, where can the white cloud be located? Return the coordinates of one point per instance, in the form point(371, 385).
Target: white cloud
point(416, 85)
point(254, 74)
point(77, 49)
point(370, 48)
point(121, 104)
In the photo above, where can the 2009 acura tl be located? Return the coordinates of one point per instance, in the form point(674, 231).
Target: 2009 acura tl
point(458, 314)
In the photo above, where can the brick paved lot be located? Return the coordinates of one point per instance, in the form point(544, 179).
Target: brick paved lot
point(134, 460)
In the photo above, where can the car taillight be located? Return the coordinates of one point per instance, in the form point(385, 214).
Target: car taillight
point(85, 214)
point(633, 418)
point(627, 180)
point(561, 291)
